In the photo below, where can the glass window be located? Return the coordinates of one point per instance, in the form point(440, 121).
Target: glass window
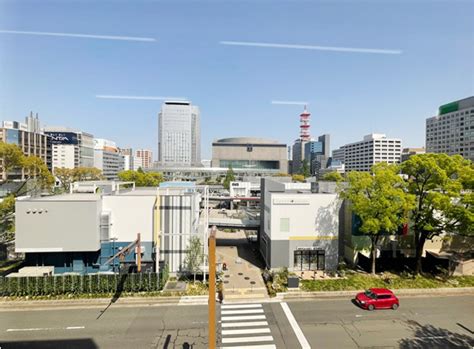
point(284, 225)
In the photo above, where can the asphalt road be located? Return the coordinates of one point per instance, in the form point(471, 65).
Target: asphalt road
point(419, 323)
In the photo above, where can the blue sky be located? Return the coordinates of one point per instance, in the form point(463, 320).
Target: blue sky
point(350, 94)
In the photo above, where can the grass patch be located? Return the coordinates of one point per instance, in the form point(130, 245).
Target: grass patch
point(362, 282)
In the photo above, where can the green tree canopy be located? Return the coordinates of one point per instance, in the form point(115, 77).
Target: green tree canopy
point(194, 256)
point(380, 200)
point(38, 169)
point(443, 186)
point(333, 177)
point(229, 177)
point(141, 179)
point(305, 169)
point(7, 222)
point(12, 157)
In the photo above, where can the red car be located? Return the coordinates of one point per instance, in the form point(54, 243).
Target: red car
point(377, 298)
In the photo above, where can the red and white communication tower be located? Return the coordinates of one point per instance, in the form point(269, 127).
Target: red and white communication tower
point(304, 125)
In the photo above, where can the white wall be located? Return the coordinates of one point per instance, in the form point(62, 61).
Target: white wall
point(63, 156)
point(309, 215)
point(130, 215)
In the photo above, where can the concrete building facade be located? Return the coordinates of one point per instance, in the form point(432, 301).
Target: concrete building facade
point(143, 158)
point(71, 148)
point(179, 134)
point(452, 130)
point(299, 226)
point(374, 148)
point(104, 221)
point(31, 140)
point(409, 152)
point(249, 153)
point(108, 159)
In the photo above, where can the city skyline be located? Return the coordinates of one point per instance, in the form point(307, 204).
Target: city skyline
point(379, 70)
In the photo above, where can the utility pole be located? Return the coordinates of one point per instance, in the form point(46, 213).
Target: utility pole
point(212, 289)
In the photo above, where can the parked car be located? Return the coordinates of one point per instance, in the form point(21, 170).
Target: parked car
point(377, 298)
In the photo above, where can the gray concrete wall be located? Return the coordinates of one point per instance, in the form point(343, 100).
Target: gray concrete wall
point(57, 226)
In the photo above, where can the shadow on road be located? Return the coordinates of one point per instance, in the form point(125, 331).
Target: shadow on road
point(82, 343)
point(431, 337)
point(117, 294)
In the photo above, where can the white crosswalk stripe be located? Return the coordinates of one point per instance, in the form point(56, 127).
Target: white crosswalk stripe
point(238, 327)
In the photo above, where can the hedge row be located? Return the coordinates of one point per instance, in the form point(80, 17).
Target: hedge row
point(81, 284)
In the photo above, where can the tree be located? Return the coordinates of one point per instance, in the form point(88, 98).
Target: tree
point(37, 169)
point(80, 174)
point(7, 222)
point(12, 157)
point(380, 200)
point(333, 177)
point(298, 178)
point(305, 170)
point(142, 179)
point(65, 177)
point(443, 187)
point(194, 256)
point(229, 177)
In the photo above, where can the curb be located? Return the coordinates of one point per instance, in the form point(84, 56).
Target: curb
point(13, 305)
point(399, 292)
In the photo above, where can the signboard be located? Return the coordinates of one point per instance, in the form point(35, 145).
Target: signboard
point(8, 124)
point(63, 137)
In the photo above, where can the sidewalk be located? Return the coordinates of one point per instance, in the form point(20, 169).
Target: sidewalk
point(243, 278)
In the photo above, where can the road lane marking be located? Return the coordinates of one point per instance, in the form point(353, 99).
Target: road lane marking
point(44, 329)
point(245, 311)
point(262, 346)
point(239, 318)
point(247, 339)
point(244, 324)
point(240, 306)
point(296, 328)
point(246, 331)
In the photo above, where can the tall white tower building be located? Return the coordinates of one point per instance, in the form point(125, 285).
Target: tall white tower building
point(179, 134)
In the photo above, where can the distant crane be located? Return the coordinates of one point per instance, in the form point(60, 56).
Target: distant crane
point(127, 250)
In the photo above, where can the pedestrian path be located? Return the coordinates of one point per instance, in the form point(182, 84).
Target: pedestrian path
point(245, 326)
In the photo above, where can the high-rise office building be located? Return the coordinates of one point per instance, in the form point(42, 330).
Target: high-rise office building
point(31, 140)
point(108, 159)
point(179, 134)
point(143, 158)
point(338, 155)
point(452, 130)
point(316, 153)
point(374, 148)
point(71, 148)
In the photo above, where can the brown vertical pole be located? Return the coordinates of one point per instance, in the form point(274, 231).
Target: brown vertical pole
point(139, 254)
point(212, 288)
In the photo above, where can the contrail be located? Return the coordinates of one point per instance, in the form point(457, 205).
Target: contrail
point(85, 36)
point(149, 98)
point(310, 47)
point(290, 102)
